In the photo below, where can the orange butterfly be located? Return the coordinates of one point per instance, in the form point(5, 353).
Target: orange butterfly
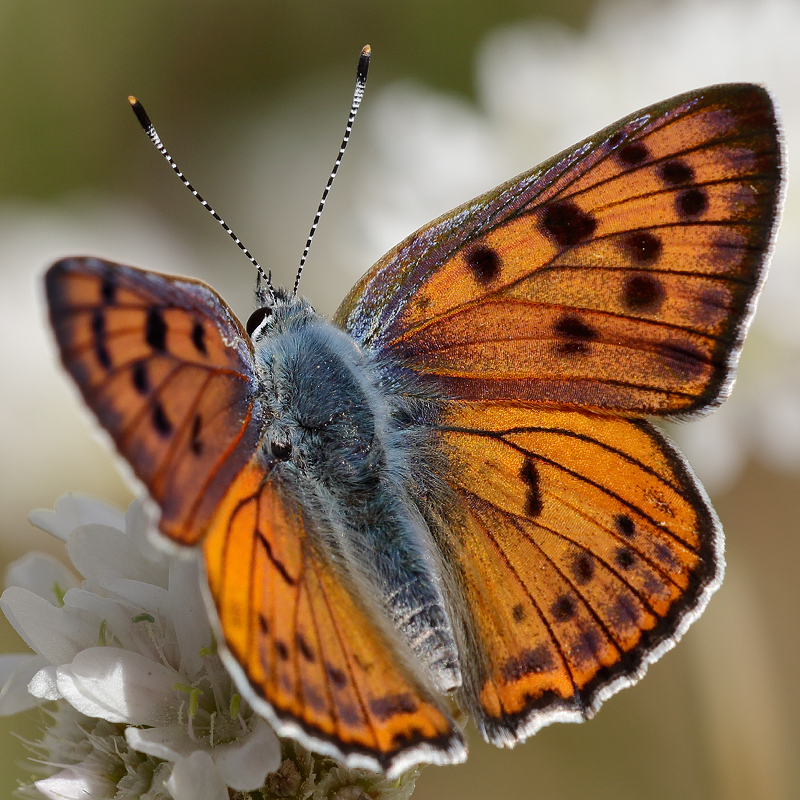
point(451, 491)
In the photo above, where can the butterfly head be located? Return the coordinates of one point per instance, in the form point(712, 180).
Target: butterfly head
point(316, 392)
point(277, 312)
point(285, 349)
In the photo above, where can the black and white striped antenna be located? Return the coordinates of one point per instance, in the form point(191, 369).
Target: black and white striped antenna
point(361, 81)
point(152, 134)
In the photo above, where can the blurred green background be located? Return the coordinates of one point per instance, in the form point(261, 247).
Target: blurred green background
point(717, 718)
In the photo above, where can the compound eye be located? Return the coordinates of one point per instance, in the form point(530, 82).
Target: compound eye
point(256, 318)
point(281, 450)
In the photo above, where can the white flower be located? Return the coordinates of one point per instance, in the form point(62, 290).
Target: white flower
point(143, 705)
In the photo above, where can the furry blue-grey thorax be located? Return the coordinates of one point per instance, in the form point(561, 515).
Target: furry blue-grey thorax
point(325, 418)
point(331, 430)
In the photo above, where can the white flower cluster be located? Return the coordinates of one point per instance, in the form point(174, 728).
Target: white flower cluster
point(141, 704)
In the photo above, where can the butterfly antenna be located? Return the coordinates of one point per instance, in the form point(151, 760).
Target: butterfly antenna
point(152, 134)
point(361, 82)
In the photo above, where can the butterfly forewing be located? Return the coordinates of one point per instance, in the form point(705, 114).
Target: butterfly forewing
point(168, 371)
point(585, 547)
point(299, 630)
point(620, 275)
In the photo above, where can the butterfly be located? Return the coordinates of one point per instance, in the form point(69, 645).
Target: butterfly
point(451, 494)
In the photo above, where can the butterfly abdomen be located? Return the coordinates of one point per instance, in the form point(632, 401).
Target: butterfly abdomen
point(331, 430)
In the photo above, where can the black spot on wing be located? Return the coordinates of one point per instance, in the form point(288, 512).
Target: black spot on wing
point(528, 662)
point(282, 650)
point(666, 556)
point(141, 378)
point(642, 247)
point(691, 203)
point(642, 292)
point(567, 224)
point(108, 287)
point(563, 609)
point(156, 330)
point(632, 154)
point(393, 705)
point(160, 420)
point(199, 338)
point(624, 557)
point(518, 612)
point(533, 498)
point(624, 525)
point(484, 263)
point(338, 678)
point(583, 568)
point(676, 172)
point(625, 612)
point(575, 328)
point(305, 649)
point(406, 738)
point(585, 648)
point(99, 333)
point(575, 334)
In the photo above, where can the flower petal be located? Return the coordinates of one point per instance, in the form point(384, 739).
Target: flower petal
point(141, 523)
point(170, 742)
point(41, 574)
point(188, 610)
point(94, 609)
point(244, 765)
point(16, 672)
point(119, 686)
point(103, 555)
point(50, 631)
point(72, 511)
point(196, 778)
point(44, 684)
point(148, 597)
point(73, 784)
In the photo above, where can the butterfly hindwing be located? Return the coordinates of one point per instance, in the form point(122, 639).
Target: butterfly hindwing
point(585, 548)
point(168, 371)
point(320, 664)
point(619, 275)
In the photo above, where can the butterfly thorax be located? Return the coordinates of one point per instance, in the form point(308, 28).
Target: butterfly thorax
point(331, 434)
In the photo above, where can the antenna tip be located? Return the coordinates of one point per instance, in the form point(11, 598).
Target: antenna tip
point(363, 63)
point(141, 114)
